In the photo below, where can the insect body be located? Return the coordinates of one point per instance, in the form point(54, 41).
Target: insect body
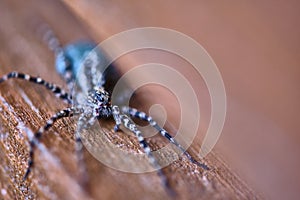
point(92, 102)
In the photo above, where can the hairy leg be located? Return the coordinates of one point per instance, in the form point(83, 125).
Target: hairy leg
point(60, 93)
point(141, 115)
point(38, 135)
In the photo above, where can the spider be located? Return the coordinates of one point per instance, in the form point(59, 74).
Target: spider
point(93, 103)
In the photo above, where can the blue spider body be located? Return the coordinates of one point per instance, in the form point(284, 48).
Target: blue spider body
point(71, 56)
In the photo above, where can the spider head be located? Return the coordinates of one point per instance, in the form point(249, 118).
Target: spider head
point(101, 101)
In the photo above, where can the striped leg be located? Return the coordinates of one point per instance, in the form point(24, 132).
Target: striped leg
point(49, 37)
point(53, 43)
point(55, 89)
point(37, 137)
point(64, 68)
point(129, 124)
point(141, 115)
point(84, 122)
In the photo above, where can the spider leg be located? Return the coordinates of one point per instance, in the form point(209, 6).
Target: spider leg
point(129, 124)
point(84, 122)
point(62, 62)
point(38, 135)
point(141, 115)
point(81, 125)
point(60, 93)
point(49, 37)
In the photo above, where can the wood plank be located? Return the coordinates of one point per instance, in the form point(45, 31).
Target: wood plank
point(55, 172)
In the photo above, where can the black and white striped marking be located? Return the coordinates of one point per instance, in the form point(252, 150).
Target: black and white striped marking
point(60, 93)
point(37, 136)
point(141, 115)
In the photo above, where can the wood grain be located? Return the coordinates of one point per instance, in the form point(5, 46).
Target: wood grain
point(55, 174)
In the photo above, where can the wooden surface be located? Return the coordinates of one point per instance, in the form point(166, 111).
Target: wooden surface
point(55, 173)
point(256, 48)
